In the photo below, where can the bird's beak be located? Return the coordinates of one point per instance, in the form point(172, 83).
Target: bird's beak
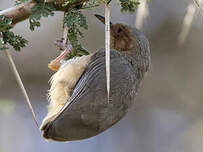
point(101, 18)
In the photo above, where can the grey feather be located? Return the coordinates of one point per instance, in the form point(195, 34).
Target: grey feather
point(89, 112)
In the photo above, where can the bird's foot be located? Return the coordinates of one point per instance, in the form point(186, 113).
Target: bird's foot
point(55, 64)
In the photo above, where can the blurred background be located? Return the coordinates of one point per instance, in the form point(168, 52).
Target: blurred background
point(167, 116)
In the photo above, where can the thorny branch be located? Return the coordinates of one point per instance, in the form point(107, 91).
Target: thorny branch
point(19, 13)
point(22, 12)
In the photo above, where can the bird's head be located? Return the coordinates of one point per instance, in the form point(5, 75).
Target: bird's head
point(122, 38)
point(131, 42)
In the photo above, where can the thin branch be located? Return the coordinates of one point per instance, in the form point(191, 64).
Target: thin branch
point(18, 13)
point(65, 31)
point(22, 12)
point(20, 83)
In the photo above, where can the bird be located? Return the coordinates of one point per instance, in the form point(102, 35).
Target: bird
point(79, 105)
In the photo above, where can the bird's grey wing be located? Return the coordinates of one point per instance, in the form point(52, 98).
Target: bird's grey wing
point(89, 111)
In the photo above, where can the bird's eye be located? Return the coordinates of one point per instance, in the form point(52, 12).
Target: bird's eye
point(119, 30)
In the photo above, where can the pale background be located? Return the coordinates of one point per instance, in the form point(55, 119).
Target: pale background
point(167, 116)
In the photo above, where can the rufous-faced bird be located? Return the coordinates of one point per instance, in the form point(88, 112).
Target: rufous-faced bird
point(79, 107)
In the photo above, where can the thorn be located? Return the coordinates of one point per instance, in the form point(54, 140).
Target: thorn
point(189, 16)
point(142, 13)
point(107, 47)
point(198, 4)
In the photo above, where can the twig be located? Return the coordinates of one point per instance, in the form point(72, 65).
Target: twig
point(65, 31)
point(107, 47)
point(19, 81)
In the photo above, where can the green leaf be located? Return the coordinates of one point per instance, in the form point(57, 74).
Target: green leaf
point(18, 2)
point(16, 41)
point(75, 20)
point(129, 5)
point(92, 3)
point(8, 37)
point(5, 23)
point(2, 45)
point(38, 11)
